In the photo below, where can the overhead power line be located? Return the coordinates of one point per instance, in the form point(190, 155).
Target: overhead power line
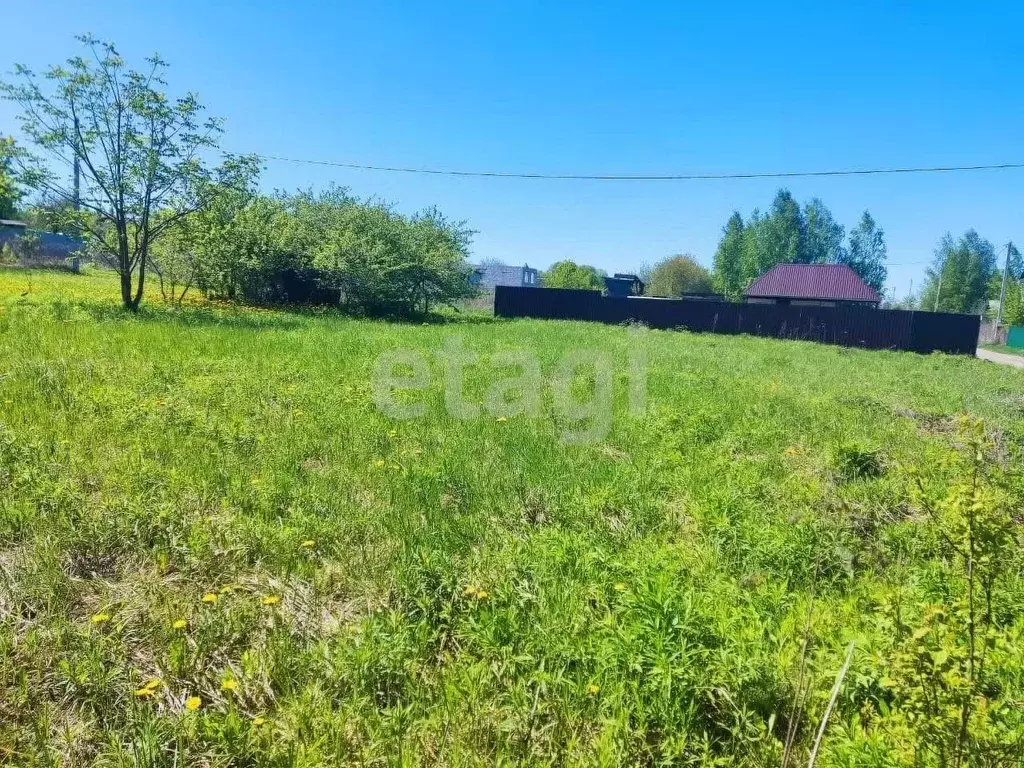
point(644, 176)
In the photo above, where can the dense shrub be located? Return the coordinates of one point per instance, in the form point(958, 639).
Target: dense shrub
point(679, 275)
point(318, 248)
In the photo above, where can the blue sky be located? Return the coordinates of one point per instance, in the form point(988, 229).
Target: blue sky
point(600, 88)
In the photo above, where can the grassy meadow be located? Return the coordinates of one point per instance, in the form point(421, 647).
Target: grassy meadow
point(215, 550)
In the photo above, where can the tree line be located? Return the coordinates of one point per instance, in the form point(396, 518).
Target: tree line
point(788, 233)
point(117, 161)
point(150, 205)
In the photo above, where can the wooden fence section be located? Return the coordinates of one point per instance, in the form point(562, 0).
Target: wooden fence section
point(847, 326)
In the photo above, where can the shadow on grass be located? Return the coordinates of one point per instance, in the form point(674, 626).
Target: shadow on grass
point(217, 315)
point(234, 315)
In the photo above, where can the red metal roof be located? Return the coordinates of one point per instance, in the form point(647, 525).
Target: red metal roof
point(835, 282)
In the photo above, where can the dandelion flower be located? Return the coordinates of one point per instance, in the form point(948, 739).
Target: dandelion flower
point(192, 703)
point(593, 689)
point(180, 624)
point(259, 720)
point(481, 594)
point(209, 597)
point(229, 685)
point(100, 618)
point(145, 693)
point(470, 590)
point(307, 544)
point(620, 587)
point(153, 683)
point(271, 600)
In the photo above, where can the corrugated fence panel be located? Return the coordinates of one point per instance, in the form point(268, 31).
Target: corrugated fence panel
point(847, 326)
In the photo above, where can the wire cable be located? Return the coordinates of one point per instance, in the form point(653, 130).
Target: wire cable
point(645, 177)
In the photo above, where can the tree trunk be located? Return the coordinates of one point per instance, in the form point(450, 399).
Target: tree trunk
point(125, 270)
point(142, 279)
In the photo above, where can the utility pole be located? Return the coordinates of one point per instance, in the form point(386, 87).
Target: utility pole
point(1002, 291)
point(78, 173)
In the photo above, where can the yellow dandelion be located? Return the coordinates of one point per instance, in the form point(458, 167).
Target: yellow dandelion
point(229, 685)
point(209, 597)
point(271, 600)
point(481, 595)
point(192, 703)
point(180, 624)
point(153, 683)
point(145, 693)
point(470, 590)
point(620, 587)
point(100, 618)
point(593, 689)
point(307, 544)
point(259, 720)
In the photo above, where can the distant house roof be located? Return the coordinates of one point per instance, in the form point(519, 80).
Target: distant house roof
point(492, 275)
point(829, 282)
point(12, 223)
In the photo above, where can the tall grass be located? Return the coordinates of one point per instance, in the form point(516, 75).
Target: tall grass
point(216, 551)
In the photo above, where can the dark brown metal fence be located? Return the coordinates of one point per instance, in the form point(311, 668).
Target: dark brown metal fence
point(848, 326)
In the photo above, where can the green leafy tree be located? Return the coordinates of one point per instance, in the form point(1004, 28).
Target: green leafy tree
point(781, 241)
point(959, 277)
point(569, 274)
point(789, 234)
point(140, 152)
point(1014, 279)
point(867, 252)
point(380, 261)
point(823, 235)
point(10, 192)
point(729, 276)
point(753, 261)
point(1013, 307)
point(678, 275)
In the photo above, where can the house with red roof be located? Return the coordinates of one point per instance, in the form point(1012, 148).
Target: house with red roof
point(818, 285)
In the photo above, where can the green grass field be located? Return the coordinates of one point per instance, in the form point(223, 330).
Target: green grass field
point(215, 550)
